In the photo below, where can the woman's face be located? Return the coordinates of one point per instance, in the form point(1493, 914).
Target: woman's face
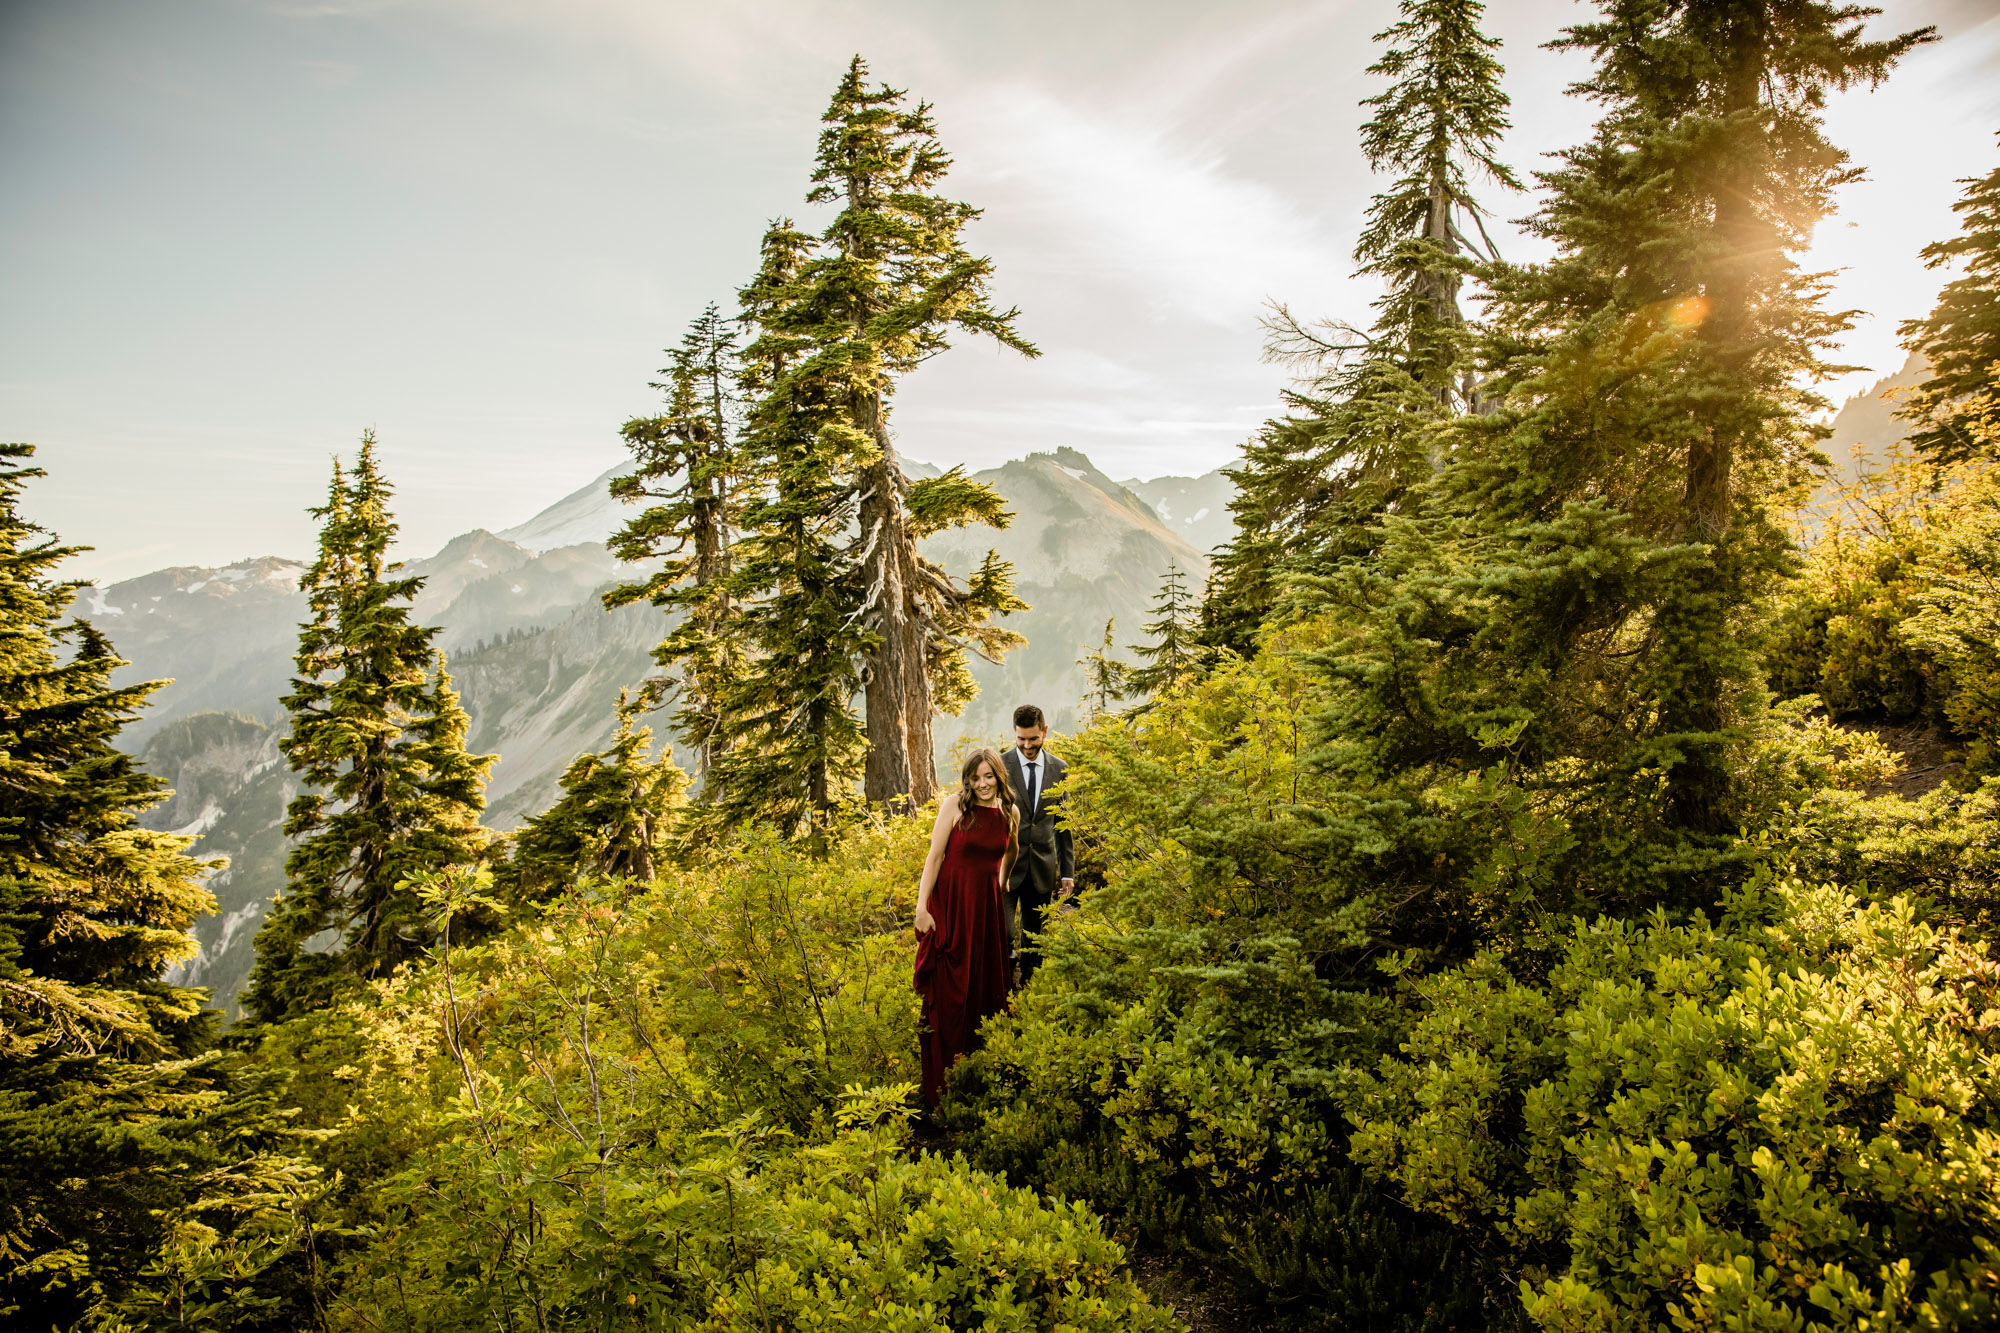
point(984, 784)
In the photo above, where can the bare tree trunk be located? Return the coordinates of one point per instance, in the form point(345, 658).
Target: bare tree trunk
point(900, 770)
point(819, 786)
point(1442, 284)
point(1441, 288)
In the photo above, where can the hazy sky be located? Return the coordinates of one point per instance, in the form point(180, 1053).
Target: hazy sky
point(233, 233)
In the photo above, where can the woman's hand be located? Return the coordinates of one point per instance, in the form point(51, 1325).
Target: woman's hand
point(926, 923)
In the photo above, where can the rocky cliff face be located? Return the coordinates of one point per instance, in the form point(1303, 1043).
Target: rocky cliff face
point(539, 663)
point(225, 637)
point(542, 698)
point(231, 787)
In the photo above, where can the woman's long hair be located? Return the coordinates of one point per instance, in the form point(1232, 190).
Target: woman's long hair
point(968, 799)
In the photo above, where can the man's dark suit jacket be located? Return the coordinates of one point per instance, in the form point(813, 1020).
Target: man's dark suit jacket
point(1047, 856)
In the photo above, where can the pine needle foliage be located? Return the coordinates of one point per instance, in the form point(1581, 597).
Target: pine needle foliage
point(1440, 119)
point(1104, 676)
point(791, 750)
point(1659, 370)
point(691, 472)
point(92, 907)
point(378, 734)
point(613, 820)
point(1957, 410)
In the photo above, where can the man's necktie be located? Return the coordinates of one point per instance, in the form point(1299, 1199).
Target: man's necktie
point(1034, 783)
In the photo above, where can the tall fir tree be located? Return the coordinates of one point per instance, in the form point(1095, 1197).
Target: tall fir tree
point(691, 466)
point(1569, 609)
point(874, 295)
point(92, 907)
point(1357, 434)
point(122, 1133)
point(1172, 654)
point(1957, 409)
point(378, 735)
point(792, 748)
point(1104, 676)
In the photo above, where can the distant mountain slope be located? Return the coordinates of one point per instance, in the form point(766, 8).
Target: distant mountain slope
point(1867, 423)
point(231, 786)
point(224, 636)
point(1195, 509)
point(541, 699)
point(1085, 549)
point(588, 514)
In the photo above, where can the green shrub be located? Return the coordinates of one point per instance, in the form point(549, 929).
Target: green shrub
point(1790, 1121)
point(1891, 616)
point(758, 1230)
point(1959, 622)
point(646, 1108)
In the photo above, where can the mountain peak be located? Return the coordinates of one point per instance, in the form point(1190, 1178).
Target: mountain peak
point(587, 514)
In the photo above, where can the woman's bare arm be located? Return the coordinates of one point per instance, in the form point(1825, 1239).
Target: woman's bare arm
point(940, 835)
point(1013, 847)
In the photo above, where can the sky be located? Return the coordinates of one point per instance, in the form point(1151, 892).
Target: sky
point(235, 233)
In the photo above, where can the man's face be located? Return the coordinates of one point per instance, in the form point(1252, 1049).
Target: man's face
point(1028, 740)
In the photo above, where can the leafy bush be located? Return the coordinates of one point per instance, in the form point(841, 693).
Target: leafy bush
point(1789, 1120)
point(1891, 618)
point(1959, 622)
point(676, 1106)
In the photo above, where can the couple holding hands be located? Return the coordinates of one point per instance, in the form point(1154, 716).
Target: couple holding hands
point(997, 861)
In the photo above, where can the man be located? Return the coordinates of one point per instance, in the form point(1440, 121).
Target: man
point(1045, 870)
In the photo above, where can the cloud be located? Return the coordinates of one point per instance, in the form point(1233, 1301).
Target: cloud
point(330, 74)
point(1106, 198)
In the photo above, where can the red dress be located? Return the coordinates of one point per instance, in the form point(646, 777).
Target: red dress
point(962, 970)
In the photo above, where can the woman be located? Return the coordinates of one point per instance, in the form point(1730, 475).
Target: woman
point(962, 970)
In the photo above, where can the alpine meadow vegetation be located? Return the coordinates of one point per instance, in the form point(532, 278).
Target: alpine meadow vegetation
point(1545, 880)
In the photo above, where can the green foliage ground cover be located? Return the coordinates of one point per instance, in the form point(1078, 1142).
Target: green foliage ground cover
point(1788, 1118)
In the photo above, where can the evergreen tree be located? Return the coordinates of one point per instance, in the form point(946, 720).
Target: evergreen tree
point(873, 296)
point(92, 907)
point(1171, 656)
point(1357, 435)
point(1958, 407)
point(612, 818)
point(122, 1135)
point(1662, 363)
point(1104, 676)
point(690, 463)
point(378, 733)
point(791, 749)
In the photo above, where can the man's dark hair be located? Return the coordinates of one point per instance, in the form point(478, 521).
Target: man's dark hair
point(1027, 715)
